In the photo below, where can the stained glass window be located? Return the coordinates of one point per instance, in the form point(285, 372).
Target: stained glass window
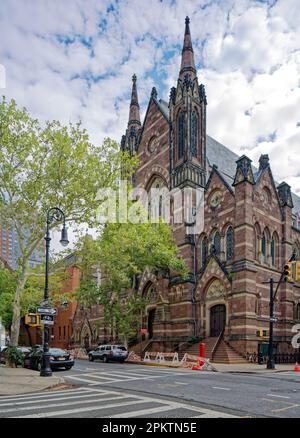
point(194, 134)
point(264, 246)
point(181, 134)
point(273, 247)
point(229, 244)
point(217, 243)
point(204, 251)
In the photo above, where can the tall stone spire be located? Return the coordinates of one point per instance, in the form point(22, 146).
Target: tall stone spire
point(134, 111)
point(187, 59)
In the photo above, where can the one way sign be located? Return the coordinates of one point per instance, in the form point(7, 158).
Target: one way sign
point(46, 310)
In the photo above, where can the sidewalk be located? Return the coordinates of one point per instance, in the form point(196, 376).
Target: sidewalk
point(21, 380)
point(252, 368)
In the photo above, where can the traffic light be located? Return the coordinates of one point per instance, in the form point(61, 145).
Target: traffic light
point(297, 276)
point(32, 319)
point(288, 272)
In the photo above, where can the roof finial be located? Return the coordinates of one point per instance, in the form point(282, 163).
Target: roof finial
point(187, 60)
point(134, 111)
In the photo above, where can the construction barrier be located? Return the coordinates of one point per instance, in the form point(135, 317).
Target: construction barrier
point(132, 356)
point(168, 358)
point(190, 361)
point(151, 356)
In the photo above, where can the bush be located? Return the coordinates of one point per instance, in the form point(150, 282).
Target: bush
point(14, 356)
point(194, 340)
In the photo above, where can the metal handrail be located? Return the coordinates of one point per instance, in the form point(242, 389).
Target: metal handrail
point(217, 343)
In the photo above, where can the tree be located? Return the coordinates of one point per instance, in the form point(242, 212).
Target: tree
point(32, 294)
point(49, 166)
point(124, 251)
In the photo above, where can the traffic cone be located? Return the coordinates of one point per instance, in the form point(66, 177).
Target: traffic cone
point(296, 367)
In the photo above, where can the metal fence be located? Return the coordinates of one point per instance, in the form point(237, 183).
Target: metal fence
point(278, 358)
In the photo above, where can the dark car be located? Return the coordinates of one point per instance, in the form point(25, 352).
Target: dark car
point(59, 358)
point(24, 351)
point(108, 353)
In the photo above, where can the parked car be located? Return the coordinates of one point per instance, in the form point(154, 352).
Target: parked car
point(24, 350)
point(59, 358)
point(108, 353)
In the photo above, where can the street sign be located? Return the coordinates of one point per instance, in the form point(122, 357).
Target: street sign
point(47, 319)
point(46, 310)
point(273, 319)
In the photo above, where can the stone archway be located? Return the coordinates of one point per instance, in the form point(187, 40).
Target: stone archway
point(216, 305)
point(151, 294)
point(86, 337)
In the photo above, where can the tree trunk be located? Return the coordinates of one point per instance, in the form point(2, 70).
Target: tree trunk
point(15, 326)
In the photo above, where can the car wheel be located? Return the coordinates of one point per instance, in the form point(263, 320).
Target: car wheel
point(105, 359)
point(91, 359)
point(122, 361)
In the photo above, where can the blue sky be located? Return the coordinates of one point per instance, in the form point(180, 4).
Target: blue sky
point(73, 60)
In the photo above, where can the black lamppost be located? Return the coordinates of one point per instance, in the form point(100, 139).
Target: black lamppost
point(53, 214)
point(192, 240)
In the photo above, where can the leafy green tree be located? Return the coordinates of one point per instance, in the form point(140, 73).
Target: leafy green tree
point(124, 251)
point(49, 166)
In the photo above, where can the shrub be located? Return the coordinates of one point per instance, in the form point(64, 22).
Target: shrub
point(14, 356)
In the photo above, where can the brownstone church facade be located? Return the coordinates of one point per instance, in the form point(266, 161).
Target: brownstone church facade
point(251, 229)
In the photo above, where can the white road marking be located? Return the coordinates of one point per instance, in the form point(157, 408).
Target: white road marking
point(18, 403)
point(142, 412)
point(45, 395)
point(219, 387)
point(182, 383)
point(276, 395)
point(93, 382)
point(80, 410)
point(56, 405)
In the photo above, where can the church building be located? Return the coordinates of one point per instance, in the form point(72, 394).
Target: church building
point(251, 228)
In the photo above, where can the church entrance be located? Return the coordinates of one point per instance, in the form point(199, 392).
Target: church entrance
point(151, 316)
point(217, 319)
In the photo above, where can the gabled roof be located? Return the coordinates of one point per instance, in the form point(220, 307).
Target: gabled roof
point(222, 157)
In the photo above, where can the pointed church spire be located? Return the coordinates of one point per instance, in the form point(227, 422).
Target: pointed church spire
point(187, 59)
point(134, 111)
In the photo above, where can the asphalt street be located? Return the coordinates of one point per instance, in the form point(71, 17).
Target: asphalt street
point(131, 391)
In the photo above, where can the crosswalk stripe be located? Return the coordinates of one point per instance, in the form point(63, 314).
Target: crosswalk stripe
point(18, 403)
point(38, 396)
point(81, 410)
point(55, 405)
point(94, 382)
point(143, 412)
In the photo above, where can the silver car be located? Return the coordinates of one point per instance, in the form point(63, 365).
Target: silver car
point(116, 353)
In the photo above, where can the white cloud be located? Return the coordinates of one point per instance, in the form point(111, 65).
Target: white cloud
point(248, 54)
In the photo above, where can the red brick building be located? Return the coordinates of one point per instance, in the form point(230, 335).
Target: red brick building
point(62, 331)
point(251, 227)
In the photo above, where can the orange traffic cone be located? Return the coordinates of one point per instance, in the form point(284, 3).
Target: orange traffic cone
point(296, 367)
point(198, 366)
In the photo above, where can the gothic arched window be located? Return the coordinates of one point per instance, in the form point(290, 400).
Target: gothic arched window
point(204, 251)
point(194, 142)
point(181, 134)
point(217, 243)
point(229, 244)
point(274, 246)
point(264, 246)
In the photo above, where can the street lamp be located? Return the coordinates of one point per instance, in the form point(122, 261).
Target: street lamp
point(53, 214)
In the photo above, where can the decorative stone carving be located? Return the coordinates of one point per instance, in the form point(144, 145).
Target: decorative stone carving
point(215, 291)
point(152, 294)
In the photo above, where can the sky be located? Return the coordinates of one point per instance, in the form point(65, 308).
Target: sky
point(73, 60)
